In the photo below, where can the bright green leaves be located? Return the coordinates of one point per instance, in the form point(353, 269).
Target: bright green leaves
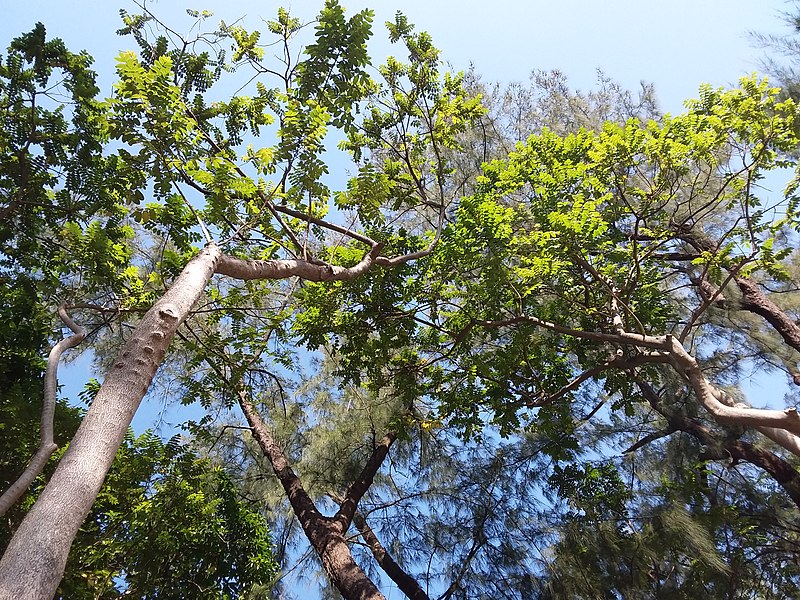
point(245, 44)
point(303, 131)
point(408, 129)
point(334, 74)
point(150, 106)
point(52, 170)
point(166, 521)
point(591, 229)
point(285, 25)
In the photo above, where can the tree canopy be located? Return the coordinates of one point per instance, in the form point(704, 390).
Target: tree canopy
point(507, 357)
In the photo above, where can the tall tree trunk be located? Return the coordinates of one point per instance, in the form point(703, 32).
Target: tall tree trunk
point(34, 561)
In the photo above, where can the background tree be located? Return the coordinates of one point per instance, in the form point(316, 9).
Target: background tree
point(165, 522)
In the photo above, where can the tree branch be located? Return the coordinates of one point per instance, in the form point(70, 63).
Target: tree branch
point(405, 582)
point(780, 470)
point(281, 269)
point(47, 444)
point(359, 487)
point(298, 497)
point(650, 438)
point(716, 402)
point(756, 302)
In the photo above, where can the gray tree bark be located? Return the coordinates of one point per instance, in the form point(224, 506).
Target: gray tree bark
point(47, 444)
point(34, 561)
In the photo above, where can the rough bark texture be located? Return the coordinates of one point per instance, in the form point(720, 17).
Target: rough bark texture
point(753, 298)
point(407, 584)
point(755, 301)
point(325, 534)
point(34, 561)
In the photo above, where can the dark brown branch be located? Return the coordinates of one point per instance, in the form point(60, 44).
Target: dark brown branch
point(753, 299)
point(298, 497)
point(650, 438)
point(407, 584)
point(736, 450)
point(359, 487)
point(325, 534)
point(756, 302)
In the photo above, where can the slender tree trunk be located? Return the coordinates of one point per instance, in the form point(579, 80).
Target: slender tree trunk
point(47, 444)
point(34, 561)
point(325, 534)
point(407, 584)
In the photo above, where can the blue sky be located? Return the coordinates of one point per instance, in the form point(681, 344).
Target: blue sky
point(676, 45)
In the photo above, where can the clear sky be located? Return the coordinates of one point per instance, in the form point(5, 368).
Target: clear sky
point(676, 45)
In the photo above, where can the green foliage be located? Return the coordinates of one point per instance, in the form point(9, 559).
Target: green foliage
point(568, 226)
point(170, 522)
point(166, 521)
point(60, 193)
point(487, 354)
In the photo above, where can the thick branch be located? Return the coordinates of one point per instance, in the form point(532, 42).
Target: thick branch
point(47, 444)
point(326, 537)
point(755, 301)
point(709, 396)
point(282, 269)
point(407, 584)
point(780, 470)
point(782, 426)
point(298, 497)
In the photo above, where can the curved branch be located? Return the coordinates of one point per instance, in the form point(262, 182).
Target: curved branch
point(47, 444)
point(756, 302)
point(281, 269)
point(782, 426)
point(737, 450)
point(724, 410)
